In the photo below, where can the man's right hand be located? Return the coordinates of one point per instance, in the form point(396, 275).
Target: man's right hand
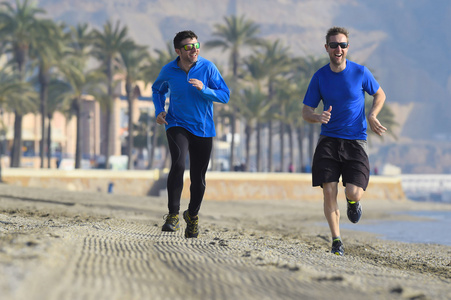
point(161, 118)
point(325, 116)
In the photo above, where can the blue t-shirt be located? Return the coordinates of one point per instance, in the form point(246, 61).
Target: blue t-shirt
point(188, 107)
point(345, 92)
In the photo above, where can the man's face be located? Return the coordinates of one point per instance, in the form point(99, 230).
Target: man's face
point(337, 55)
point(188, 56)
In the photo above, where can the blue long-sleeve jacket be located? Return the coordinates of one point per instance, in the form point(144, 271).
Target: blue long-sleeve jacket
point(188, 107)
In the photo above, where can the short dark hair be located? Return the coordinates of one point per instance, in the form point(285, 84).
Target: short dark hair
point(179, 37)
point(335, 31)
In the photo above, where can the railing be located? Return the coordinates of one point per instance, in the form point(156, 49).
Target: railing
point(427, 187)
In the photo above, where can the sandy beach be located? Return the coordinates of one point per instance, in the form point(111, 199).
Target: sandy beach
point(57, 244)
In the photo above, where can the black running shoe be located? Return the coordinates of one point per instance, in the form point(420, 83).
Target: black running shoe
point(354, 211)
point(338, 248)
point(192, 230)
point(172, 223)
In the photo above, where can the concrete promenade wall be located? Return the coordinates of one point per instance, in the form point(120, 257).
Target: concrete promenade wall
point(220, 185)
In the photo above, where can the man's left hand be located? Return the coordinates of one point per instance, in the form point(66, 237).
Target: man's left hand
point(376, 126)
point(196, 83)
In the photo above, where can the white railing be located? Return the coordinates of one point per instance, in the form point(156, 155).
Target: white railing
point(427, 186)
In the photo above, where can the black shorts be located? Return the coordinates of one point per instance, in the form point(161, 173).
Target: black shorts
point(336, 157)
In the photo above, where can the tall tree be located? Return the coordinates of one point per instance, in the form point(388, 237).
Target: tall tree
point(82, 80)
point(253, 108)
point(11, 89)
point(134, 58)
point(108, 45)
point(267, 66)
point(233, 36)
point(151, 73)
point(57, 89)
point(304, 68)
point(278, 61)
point(20, 30)
point(47, 54)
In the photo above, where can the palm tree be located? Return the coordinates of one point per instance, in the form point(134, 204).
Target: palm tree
point(156, 64)
point(236, 33)
point(134, 59)
point(107, 48)
point(304, 70)
point(279, 64)
point(288, 93)
point(81, 80)
point(20, 30)
point(57, 89)
point(47, 53)
point(11, 89)
point(254, 106)
point(267, 66)
point(151, 73)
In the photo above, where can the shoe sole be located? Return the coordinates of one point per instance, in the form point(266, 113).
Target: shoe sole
point(169, 229)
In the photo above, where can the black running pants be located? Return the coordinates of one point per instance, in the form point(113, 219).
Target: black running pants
point(181, 143)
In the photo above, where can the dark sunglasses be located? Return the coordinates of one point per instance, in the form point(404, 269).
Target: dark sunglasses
point(189, 47)
point(334, 45)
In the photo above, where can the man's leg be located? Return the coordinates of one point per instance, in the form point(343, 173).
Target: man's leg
point(178, 147)
point(353, 192)
point(199, 153)
point(353, 195)
point(331, 211)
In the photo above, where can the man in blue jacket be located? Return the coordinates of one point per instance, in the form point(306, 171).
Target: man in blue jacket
point(194, 84)
point(342, 146)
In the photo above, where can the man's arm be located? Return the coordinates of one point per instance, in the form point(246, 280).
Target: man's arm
point(308, 113)
point(378, 103)
point(215, 89)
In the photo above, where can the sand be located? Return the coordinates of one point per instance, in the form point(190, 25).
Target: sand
point(73, 245)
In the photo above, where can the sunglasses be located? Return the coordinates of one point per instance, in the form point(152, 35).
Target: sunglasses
point(334, 45)
point(189, 47)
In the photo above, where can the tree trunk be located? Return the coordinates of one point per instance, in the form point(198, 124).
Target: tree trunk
point(232, 143)
point(108, 112)
point(108, 134)
point(282, 146)
point(16, 151)
point(300, 135)
point(43, 80)
point(78, 142)
point(248, 131)
point(312, 139)
point(259, 159)
point(49, 142)
point(153, 146)
point(130, 99)
point(270, 166)
point(292, 165)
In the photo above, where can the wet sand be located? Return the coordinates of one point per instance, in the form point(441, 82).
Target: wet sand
point(75, 245)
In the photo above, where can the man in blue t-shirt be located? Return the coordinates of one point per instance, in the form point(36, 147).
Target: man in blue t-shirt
point(194, 84)
point(342, 146)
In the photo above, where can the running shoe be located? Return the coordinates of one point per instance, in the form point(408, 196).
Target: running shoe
point(192, 230)
point(338, 248)
point(172, 223)
point(354, 211)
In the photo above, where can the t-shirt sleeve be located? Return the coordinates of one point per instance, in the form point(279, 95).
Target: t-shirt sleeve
point(370, 84)
point(313, 95)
